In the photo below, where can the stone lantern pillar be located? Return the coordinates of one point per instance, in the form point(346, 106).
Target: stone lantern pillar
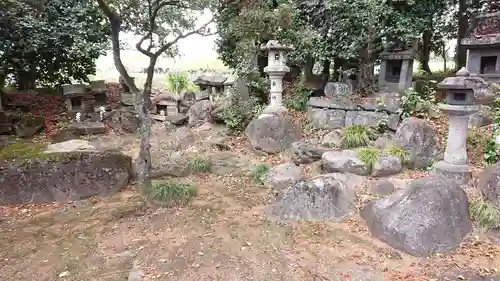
point(276, 69)
point(461, 103)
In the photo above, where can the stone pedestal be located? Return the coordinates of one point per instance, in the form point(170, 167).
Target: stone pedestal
point(455, 165)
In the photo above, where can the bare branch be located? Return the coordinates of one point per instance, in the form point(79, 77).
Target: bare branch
point(139, 47)
point(199, 30)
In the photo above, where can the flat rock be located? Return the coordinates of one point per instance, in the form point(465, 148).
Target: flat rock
point(369, 118)
point(64, 176)
point(70, 145)
point(87, 128)
point(323, 118)
point(329, 197)
point(430, 216)
point(344, 161)
point(332, 103)
point(386, 166)
point(489, 183)
point(272, 134)
point(282, 176)
point(307, 151)
point(419, 138)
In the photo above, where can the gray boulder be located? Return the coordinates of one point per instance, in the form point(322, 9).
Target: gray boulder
point(345, 161)
point(368, 118)
point(419, 138)
point(172, 164)
point(200, 112)
point(64, 175)
point(29, 126)
point(306, 152)
point(430, 216)
point(329, 197)
point(489, 183)
point(272, 134)
point(323, 118)
point(282, 176)
point(382, 187)
point(333, 139)
point(387, 166)
point(334, 89)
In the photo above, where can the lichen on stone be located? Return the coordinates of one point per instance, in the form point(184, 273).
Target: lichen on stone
point(23, 151)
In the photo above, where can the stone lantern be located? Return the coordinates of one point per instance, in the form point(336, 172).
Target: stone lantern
point(276, 69)
point(461, 103)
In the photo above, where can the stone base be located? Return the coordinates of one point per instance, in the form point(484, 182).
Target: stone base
point(459, 173)
point(273, 110)
point(86, 128)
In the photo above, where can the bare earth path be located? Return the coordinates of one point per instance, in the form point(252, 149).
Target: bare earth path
point(223, 234)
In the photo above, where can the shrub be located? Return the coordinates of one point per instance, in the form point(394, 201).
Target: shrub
point(357, 136)
point(240, 112)
point(298, 99)
point(369, 156)
point(400, 152)
point(491, 154)
point(485, 214)
point(171, 193)
point(180, 82)
point(259, 172)
point(419, 105)
point(200, 164)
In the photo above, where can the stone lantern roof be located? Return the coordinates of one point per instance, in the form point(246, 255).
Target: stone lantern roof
point(210, 80)
point(485, 29)
point(275, 45)
point(484, 93)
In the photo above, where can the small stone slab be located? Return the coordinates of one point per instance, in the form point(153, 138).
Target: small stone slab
point(372, 119)
point(178, 120)
point(337, 103)
point(345, 161)
point(323, 118)
point(87, 128)
point(158, 117)
point(335, 89)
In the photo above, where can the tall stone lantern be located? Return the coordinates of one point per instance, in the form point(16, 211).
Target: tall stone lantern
point(276, 69)
point(461, 102)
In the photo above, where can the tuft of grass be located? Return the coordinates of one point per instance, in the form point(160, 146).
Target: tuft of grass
point(171, 193)
point(259, 172)
point(357, 136)
point(369, 156)
point(200, 164)
point(485, 213)
point(400, 152)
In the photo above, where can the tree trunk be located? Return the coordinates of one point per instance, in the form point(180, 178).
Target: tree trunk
point(426, 51)
point(444, 56)
point(463, 25)
point(325, 74)
point(308, 68)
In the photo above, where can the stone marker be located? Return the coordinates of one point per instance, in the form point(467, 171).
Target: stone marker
point(334, 90)
point(430, 216)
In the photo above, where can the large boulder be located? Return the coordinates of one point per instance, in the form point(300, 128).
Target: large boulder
point(324, 118)
point(329, 197)
point(345, 161)
point(282, 176)
point(430, 216)
point(489, 183)
point(200, 112)
point(307, 151)
point(64, 174)
point(272, 134)
point(419, 138)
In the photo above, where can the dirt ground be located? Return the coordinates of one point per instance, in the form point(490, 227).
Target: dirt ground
point(224, 234)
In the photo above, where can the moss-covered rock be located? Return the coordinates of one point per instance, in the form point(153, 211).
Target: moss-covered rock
point(40, 177)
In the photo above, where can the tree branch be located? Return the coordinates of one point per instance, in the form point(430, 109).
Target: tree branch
point(182, 36)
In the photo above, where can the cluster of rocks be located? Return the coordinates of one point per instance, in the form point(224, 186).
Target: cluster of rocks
point(23, 126)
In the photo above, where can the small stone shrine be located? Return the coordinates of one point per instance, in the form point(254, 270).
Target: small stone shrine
point(483, 44)
point(74, 96)
point(461, 102)
point(213, 84)
point(276, 69)
point(396, 70)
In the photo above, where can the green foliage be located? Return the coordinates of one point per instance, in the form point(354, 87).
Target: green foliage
point(259, 172)
point(23, 151)
point(357, 136)
point(51, 43)
point(399, 152)
point(180, 82)
point(485, 213)
point(298, 99)
point(171, 193)
point(240, 112)
point(200, 164)
point(369, 156)
point(419, 105)
point(491, 151)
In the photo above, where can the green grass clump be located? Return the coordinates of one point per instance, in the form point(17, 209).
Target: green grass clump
point(201, 164)
point(357, 136)
point(399, 152)
point(171, 193)
point(369, 156)
point(486, 215)
point(259, 172)
point(23, 151)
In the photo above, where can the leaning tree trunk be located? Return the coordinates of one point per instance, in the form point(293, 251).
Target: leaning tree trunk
point(426, 51)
